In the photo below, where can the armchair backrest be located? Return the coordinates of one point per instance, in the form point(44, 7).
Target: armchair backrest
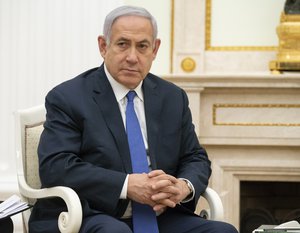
point(29, 126)
point(30, 157)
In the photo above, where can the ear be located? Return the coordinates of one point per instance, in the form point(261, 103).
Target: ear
point(156, 47)
point(102, 45)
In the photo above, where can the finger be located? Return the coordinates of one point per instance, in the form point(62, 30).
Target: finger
point(161, 184)
point(160, 196)
point(167, 203)
point(154, 173)
point(172, 194)
point(159, 208)
point(161, 175)
point(164, 177)
point(166, 186)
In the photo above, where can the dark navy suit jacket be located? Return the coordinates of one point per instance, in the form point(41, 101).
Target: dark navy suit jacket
point(84, 144)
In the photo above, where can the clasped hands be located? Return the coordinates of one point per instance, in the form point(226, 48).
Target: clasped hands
point(157, 189)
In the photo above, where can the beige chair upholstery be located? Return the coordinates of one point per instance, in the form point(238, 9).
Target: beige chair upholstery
point(29, 125)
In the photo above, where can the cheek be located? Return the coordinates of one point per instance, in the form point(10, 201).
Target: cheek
point(115, 59)
point(147, 62)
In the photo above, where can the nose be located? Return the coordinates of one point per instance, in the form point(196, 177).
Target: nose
point(132, 55)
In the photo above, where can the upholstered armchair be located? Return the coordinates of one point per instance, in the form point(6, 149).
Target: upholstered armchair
point(29, 125)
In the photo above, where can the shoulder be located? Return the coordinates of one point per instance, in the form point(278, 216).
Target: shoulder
point(76, 90)
point(165, 88)
point(159, 82)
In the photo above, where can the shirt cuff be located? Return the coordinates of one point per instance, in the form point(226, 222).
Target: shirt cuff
point(123, 194)
point(192, 194)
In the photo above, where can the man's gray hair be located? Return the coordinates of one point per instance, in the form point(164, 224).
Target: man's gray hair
point(127, 11)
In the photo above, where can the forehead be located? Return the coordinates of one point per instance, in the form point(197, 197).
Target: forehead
point(132, 25)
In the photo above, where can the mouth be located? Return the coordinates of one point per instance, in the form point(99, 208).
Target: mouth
point(130, 70)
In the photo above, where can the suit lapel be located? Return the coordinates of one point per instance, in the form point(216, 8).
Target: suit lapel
point(152, 112)
point(105, 99)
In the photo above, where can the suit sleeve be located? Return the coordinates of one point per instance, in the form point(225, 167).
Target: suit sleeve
point(194, 164)
point(62, 162)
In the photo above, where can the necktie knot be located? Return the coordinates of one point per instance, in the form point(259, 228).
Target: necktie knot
point(130, 96)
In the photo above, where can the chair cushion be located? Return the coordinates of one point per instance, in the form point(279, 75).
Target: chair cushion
point(31, 166)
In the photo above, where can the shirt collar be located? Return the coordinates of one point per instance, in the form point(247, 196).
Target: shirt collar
point(121, 91)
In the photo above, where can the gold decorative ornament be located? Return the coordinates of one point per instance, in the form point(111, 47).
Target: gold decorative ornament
point(188, 64)
point(288, 55)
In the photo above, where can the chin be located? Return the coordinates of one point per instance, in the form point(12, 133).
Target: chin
point(133, 83)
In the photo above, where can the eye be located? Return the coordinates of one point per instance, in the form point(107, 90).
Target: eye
point(143, 46)
point(121, 44)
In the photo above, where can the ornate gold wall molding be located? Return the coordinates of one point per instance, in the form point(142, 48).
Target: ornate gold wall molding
point(172, 36)
point(270, 106)
point(209, 47)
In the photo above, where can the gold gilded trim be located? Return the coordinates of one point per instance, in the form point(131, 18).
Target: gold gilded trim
point(208, 25)
point(289, 18)
point(208, 47)
point(216, 106)
point(172, 36)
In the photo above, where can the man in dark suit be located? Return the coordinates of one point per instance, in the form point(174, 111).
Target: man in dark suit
point(84, 144)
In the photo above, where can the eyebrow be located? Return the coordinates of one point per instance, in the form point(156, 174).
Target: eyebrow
point(144, 41)
point(139, 42)
point(122, 38)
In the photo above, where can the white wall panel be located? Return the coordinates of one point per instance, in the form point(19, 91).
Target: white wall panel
point(42, 43)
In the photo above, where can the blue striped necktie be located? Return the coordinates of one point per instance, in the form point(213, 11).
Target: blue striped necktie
point(143, 216)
